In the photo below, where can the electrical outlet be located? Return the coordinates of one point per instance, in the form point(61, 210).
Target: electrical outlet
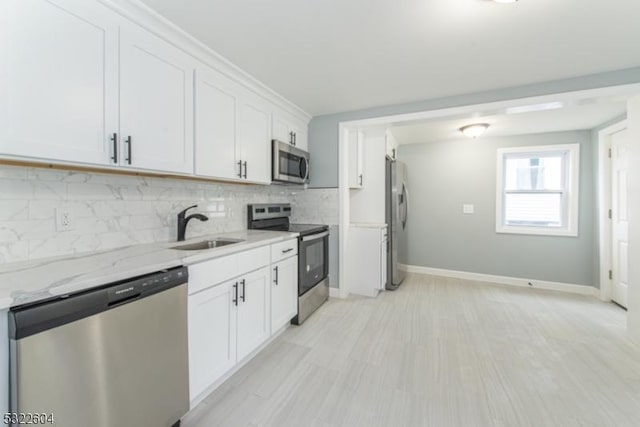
point(64, 220)
point(468, 209)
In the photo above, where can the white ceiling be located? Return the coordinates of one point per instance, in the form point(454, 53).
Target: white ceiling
point(580, 116)
point(337, 55)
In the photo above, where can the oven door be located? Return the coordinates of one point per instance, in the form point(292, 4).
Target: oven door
point(313, 261)
point(290, 164)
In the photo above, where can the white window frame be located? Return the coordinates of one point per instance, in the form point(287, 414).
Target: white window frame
point(570, 193)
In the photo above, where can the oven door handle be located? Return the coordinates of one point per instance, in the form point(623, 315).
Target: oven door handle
point(315, 236)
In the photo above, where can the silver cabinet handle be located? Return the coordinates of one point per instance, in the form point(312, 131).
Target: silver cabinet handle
point(285, 251)
point(245, 170)
point(360, 180)
point(243, 282)
point(275, 270)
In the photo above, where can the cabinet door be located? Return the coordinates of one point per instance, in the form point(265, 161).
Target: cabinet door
point(253, 311)
point(301, 137)
point(58, 80)
point(254, 133)
point(281, 128)
point(212, 336)
point(284, 292)
point(216, 123)
point(156, 103)
point(356, 174)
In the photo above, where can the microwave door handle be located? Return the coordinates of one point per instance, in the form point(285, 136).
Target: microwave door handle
point(315, 236)
point(306, 163)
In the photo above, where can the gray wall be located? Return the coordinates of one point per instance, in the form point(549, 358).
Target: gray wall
point(444, 175)
point(323, 130)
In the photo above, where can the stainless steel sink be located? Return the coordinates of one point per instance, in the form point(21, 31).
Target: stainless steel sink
point(207, 244)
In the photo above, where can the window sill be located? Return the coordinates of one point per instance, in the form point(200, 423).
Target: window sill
point(536, 231)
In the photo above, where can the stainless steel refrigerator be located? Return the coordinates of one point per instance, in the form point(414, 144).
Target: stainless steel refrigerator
point(396, 219)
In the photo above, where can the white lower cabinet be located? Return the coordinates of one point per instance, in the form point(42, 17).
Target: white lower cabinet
point(367, 247)
point(234, 307)
point(212, 335)
point(253, 311)
point(284, 301)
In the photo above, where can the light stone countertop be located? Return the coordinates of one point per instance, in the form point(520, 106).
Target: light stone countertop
point(37, 280)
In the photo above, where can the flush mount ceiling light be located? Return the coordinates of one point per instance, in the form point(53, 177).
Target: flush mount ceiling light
point(474, 130)
point(505, 1)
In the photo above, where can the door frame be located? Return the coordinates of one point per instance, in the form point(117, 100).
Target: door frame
point(605, 232)
point(467, 111)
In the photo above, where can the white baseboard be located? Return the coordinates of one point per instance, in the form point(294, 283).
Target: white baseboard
point(505, 280)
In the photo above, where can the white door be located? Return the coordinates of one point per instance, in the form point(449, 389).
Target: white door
point(212, 336)
point(58, 80)
point(284, 292)
point(255, 142)
point(216, 124)
point(620, 220)
point(253, 311)
point(156, 103)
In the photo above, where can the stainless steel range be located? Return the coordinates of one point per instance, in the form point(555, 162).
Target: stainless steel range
point(313, 254)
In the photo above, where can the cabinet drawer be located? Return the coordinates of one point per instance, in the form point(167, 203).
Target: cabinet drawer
point(253, 259)
point(284, 250)
point(212, 272)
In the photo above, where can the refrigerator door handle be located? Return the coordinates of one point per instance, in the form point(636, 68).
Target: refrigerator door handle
point(405, 199)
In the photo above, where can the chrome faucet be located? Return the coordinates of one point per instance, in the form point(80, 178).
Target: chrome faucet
point(182, 221)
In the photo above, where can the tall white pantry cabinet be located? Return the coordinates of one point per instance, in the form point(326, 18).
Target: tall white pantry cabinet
point(82, 83)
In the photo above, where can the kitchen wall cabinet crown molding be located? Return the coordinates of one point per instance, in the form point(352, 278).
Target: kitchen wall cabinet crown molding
point(148, 18)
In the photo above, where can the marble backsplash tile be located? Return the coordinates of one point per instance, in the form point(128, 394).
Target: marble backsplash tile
point(111, 211)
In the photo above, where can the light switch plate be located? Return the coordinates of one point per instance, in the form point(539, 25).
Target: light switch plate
point(468, 209)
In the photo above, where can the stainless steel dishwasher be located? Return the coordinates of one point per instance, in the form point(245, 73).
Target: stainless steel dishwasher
point(113, 356)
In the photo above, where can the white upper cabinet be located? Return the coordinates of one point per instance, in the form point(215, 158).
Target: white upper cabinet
point(156, 103)
point(233, 130)
point(254, 133)
point(288, 129)
point(217, 100)
point(58, 80)
point(356, 160)
point(84, 85)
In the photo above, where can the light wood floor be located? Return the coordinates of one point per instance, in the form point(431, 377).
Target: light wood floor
point(441, 352)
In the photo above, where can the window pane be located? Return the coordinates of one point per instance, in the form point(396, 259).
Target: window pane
point(534, 173)
point(533, 209)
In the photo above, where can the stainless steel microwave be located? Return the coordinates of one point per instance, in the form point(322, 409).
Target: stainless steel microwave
point(290, 164)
